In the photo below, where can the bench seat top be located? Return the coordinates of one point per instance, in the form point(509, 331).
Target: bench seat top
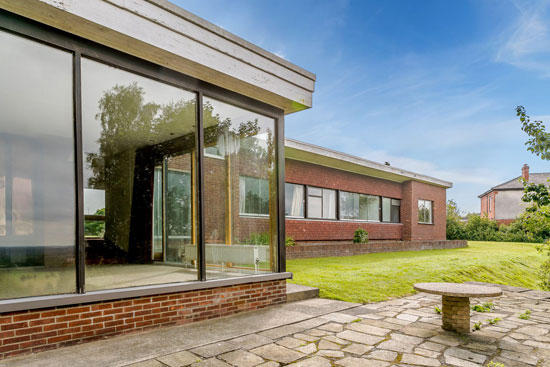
point(458, 289)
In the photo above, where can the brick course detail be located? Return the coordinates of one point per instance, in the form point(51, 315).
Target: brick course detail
point(409, 192)
point(303, 251)
point(456, 314)
point(38, 330)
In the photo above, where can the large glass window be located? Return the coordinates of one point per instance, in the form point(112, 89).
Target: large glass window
point(395, 211)
point(355, 206)
point(321, 203)
point(294, 200)
point(244, 181)
point(138, 138)
point(425, 215)
point(37, 174)
point(253, 196)
point(386, 209)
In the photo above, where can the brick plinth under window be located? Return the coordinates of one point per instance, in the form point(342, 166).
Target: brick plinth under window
point(43, 329)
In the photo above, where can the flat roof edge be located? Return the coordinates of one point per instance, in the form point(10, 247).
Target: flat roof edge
point(330, 153)
point(175, 9)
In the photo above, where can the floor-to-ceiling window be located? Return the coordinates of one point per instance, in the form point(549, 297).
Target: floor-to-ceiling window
point(37, 185)
point(100, 173)
point(138, 145)
point(240, 191)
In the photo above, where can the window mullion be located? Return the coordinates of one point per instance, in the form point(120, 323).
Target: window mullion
point(199, 136)
point(79, 175)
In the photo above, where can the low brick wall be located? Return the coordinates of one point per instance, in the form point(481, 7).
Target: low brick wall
point(302, 251)
point(43, 329)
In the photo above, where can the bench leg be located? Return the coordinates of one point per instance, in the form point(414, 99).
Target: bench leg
point(456, 314)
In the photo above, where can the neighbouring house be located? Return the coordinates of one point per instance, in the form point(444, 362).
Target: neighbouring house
point(502, 203)
point(131, 133)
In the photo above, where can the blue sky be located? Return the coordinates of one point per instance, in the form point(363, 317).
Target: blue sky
point(430, 86)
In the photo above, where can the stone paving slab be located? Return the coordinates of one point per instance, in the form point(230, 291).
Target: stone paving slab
point(324, 333)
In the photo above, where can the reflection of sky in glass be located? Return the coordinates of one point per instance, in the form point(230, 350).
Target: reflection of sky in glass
point(93, 200)
point(35, 98)
point(239, 115)
point(36, 144)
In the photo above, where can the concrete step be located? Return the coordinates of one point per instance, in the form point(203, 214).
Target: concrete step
point(296, 292)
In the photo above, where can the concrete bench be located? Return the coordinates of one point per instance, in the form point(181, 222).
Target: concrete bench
point(456, 302)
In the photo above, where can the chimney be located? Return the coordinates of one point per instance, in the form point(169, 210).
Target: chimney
point(525, 172)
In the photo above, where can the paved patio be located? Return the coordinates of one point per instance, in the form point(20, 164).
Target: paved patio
point(319, 333)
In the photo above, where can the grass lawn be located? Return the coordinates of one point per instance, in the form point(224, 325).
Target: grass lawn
point(377, 277)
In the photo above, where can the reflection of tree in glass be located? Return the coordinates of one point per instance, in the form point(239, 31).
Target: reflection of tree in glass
point(95, 228)
point(130, 125)
point(178, 204)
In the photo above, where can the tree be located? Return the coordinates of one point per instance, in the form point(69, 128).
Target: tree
point(539, 142)
point(455, 228)
point(537, 216)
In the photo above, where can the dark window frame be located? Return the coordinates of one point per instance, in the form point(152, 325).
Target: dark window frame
point(304, 200)
point(431, 222)
point(391, 206)
point(79, 48)
point(255, 215)
point(308, 194)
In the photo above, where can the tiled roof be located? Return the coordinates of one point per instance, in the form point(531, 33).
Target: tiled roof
point(515, 184)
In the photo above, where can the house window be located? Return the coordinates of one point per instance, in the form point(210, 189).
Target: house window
point(355, 206)
point(37, 175)
point(254, 196)
point(128, 132)
point(390, 210)
point(490, 203)
point(425, 211)
point(395, 211)
point(321, 203)
point(245, 182)
point(294, 200)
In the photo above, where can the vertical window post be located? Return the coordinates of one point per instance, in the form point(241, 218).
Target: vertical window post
point(80, 248)
point(200, 188)
point(280, 136)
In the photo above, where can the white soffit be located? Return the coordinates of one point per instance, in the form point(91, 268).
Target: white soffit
point(163, 33)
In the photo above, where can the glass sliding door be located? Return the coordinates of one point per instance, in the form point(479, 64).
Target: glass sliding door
point(240, 191)
point(37, 174)
point(138, 146)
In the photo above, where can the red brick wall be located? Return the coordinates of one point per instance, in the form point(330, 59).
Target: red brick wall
point(409, 192)
point(320, 230)
point(485, 210)
point(315, 175)
point(414, 231)
point(303, 251)
point(38, 330)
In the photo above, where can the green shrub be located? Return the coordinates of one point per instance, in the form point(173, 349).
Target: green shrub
point(258, 239)
point(289, 241)
point(361, 236)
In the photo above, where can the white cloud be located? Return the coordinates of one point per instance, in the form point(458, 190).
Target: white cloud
point(526, 44)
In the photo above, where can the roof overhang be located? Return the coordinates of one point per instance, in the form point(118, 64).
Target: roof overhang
point(305, 152)
point(161, 32)
point(497, 190)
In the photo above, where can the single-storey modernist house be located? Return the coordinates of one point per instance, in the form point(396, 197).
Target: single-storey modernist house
point(502, 203)
point(329, 194)
point(142, 174)
point(130, 133)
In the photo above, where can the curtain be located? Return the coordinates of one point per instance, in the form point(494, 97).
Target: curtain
point(297, 202)
point(242, 194)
